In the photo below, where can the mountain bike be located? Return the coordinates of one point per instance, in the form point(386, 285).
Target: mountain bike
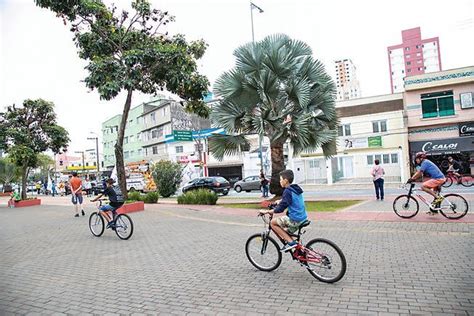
point(322, 258)
point(465, 180)
point(122, 225)
point(453, 206)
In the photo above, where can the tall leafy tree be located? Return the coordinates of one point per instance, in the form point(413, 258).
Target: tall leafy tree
point(28, 131)
point(128, 52)
point(278, 90)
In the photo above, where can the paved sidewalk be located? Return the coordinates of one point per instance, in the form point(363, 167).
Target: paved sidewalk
point(181, 261)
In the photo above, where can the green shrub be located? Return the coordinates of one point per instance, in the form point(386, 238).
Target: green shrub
point(151, 197)
point(134, 196)
point(167, 176)
point(201, 196)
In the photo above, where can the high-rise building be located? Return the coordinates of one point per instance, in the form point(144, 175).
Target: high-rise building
point(414, 56)
point(347, 85)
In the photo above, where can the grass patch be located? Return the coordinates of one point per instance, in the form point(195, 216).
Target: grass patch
point(311, 206)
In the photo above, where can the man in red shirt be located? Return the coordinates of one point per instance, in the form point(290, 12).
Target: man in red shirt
point(76, 192)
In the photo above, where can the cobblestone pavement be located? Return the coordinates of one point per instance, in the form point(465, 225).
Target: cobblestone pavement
point(182, 261)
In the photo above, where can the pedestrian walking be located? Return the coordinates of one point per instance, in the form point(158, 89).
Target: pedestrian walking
point(377, 173)
point(53, 188)
point(76, 193)
point(263, 184)
point(38, 187)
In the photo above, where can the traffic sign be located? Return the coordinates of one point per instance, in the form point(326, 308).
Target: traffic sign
point(183, 135)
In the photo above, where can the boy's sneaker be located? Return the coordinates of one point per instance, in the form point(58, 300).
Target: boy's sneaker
point(77, 215)
point(111, 224)
point(289, 246)
point(83, 213)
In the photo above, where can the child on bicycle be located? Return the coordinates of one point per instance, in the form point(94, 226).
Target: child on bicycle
point(116, 199)
point(294, 201)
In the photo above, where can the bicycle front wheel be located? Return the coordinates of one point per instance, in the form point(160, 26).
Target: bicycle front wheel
point(448, 182)
point(263, 253)
point(406, 206)
point(454, 206)
point(96, 224)
point(467, 181)
point(123, 226)
point(325, 260)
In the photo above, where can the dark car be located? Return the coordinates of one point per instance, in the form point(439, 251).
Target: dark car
point(216, 184)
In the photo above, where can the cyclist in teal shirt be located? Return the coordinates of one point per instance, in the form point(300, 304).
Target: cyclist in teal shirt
point(294, 201)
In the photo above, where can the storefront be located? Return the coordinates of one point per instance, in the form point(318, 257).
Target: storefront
point(438, 151)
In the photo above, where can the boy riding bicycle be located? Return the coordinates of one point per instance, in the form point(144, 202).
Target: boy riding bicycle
point(116, 200)
point(294, 201)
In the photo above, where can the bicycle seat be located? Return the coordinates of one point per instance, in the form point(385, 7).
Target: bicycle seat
point(303, 224)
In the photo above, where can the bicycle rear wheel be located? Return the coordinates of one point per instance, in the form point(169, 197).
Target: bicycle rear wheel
point(448, 182)
point(467, 181)
point(96, 224)
point(123, 226)
point(325, 260)
point(454, 206)
point(406, 206)
point(263, 253)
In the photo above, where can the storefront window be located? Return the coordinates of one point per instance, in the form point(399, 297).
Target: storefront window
point(437, 104)
point(370, 160)
point(386, 158)
point(394, 158)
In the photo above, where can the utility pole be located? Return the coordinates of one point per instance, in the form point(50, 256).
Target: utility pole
point(83, 167)
point(260, 136)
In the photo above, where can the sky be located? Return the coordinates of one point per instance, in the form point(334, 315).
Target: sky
point(38, 58)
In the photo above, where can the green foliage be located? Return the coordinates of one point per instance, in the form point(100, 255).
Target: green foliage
point(167, 176)
point(30, 130)
point(201, 196)
point(8, 171)
point(279, 90)
point(128, 51)
point(151, 197)
point(135, 196)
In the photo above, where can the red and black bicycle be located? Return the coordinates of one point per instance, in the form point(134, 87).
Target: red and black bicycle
point(321, 257)
point(466, 180)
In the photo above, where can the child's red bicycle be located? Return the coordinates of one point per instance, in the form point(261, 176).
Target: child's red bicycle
point(321, 257)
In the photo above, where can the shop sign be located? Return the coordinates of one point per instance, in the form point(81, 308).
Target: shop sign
point(466, 129)
point(375, 141)
point(443, 146)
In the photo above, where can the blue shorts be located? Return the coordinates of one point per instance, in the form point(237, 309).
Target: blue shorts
point(75, 198)
point(108, 208)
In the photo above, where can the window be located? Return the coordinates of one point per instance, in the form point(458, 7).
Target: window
point(132, 153)
point(130, 122)
point(126, 154)
point(179, 149)
point(87, 164)
point(125, 140)
point(379, 126)
point(409, 70)
point(154, 133)
point(344, 130)
point(394, 158)
point(152, 117)
point(164, 111)
point(407, 56)
point(131, 138)
point(386, 158)
point(139, 152)
point(155, 150)
point(370, 160)
point(407, 48)
point(408, 63)
point(139, 137)
point(437, 104)
point(138, 120)
point(314, 163)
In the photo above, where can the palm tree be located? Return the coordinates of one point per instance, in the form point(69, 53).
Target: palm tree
point(278, 90)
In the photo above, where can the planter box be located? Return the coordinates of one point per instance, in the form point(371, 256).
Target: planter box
point(25, 203)
point(132, 207)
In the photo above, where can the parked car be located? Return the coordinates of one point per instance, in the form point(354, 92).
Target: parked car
point(216, 184)
point(248, 184)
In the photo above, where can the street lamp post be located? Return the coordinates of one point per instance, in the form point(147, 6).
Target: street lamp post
point(83, 168)
point(96, 152)
point(260, 136)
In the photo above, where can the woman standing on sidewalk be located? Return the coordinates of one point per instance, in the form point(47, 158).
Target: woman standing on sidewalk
point(377, 174)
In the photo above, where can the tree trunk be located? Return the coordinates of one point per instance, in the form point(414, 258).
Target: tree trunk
point(24, 178)
point(119, 163)
point(278, 165)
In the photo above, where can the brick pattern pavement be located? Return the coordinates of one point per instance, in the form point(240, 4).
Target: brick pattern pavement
point(193, 262)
